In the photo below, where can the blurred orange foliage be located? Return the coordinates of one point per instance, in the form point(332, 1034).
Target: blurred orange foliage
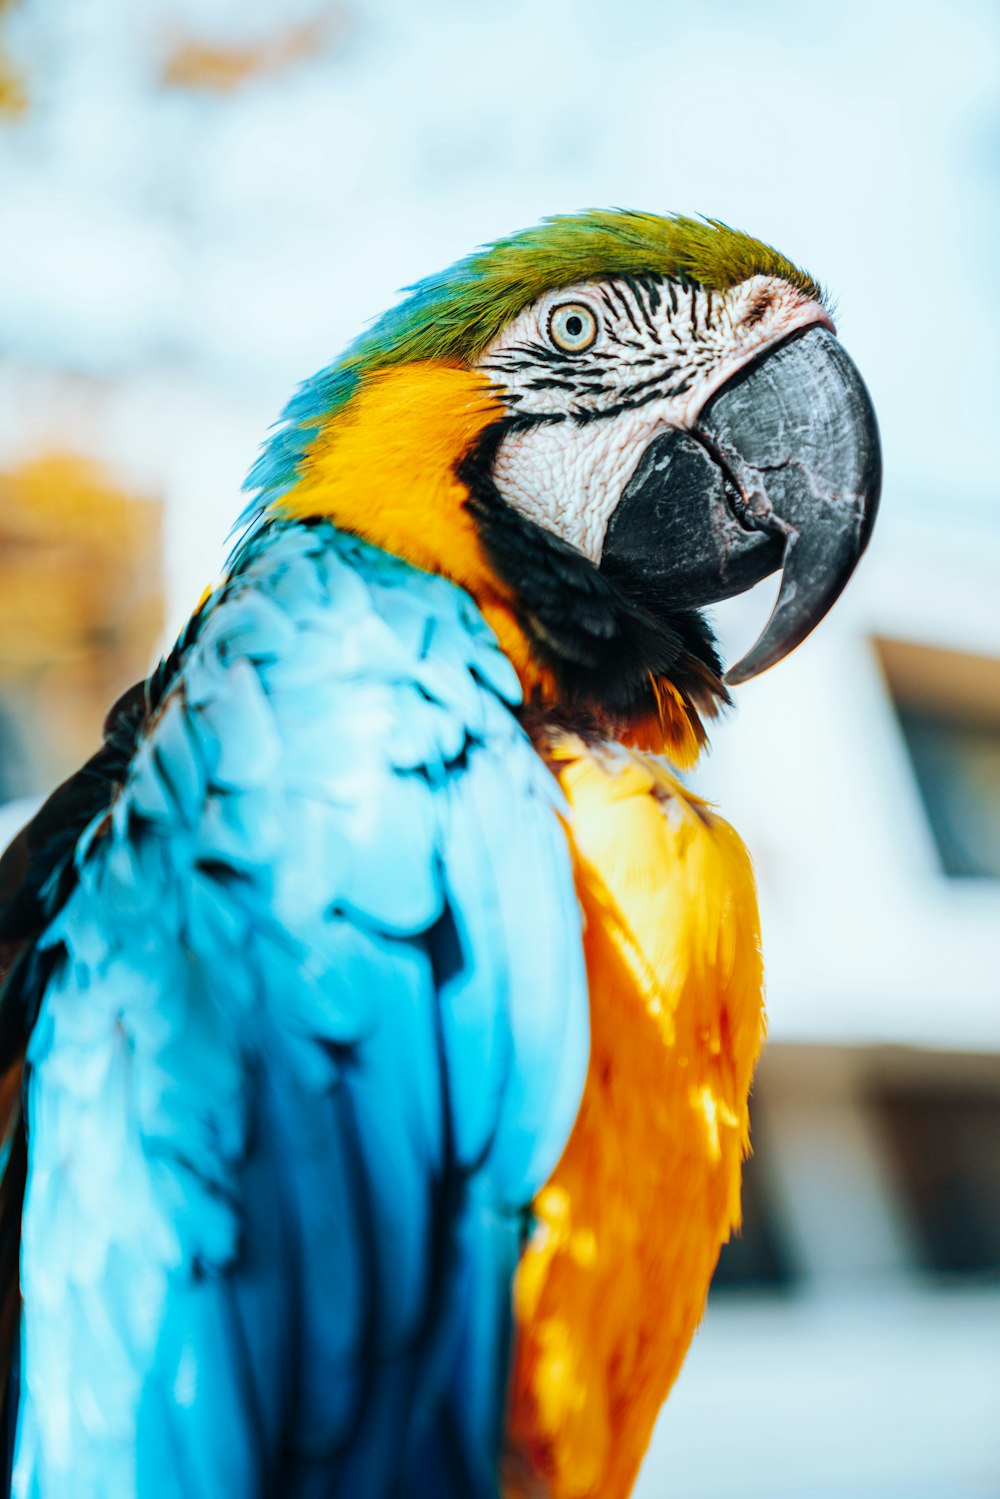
point(13, 95)
point(81, 604)
point(222, 69)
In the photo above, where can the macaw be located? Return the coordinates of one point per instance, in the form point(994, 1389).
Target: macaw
point(380, 1007)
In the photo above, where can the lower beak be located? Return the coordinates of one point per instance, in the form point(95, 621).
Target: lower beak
point(783, 469)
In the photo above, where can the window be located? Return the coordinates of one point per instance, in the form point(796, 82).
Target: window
point(948, 707)
point(755, 1260)
point(957, 765)
point(946, 1145)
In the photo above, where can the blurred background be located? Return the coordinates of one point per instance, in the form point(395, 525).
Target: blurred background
point(202, 200)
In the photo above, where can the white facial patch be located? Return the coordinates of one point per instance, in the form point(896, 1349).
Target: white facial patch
point(662, 348)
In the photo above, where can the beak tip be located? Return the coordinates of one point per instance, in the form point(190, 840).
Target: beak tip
point(742, 671)
point(827, 498)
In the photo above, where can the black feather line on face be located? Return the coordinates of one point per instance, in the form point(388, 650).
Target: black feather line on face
point(605, 646)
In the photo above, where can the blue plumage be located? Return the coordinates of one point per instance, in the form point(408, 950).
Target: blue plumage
point(314, 1033)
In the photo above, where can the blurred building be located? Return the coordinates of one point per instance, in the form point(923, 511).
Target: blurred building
point(204, 199)
point(852, 1345)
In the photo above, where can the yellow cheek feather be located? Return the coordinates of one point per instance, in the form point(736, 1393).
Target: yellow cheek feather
point(384, 467)
point(614, 1279)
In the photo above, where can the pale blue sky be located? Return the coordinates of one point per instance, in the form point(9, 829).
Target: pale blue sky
point(250, 235)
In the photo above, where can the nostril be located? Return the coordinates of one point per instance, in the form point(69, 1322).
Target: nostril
point(758, 310)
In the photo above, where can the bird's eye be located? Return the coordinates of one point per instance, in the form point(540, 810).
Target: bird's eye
point(572, 327)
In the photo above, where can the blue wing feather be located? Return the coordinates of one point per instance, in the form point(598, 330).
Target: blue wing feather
point(315, 1033)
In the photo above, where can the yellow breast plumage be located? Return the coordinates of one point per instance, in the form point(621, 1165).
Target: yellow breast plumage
point(629, 1228)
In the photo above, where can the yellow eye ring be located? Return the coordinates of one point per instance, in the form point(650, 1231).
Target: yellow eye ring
point(572, 327)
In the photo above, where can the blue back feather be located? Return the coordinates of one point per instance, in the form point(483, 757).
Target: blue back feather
point(314, 1034)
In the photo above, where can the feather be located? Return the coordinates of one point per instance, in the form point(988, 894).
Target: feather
point(288, 1083)
point(452, 316)
point(629, 1226)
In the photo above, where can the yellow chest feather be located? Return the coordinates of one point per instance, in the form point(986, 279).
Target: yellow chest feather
point(613, 1282)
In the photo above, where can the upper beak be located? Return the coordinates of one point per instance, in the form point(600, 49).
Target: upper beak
point(783, 469)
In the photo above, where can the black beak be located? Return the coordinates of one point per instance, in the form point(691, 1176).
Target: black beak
point(783, 469)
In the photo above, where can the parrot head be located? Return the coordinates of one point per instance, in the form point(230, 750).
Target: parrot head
point(599, 426)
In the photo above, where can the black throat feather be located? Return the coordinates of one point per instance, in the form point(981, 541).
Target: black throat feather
point(608, 649)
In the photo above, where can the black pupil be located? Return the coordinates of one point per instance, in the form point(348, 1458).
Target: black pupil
point(574, 325)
